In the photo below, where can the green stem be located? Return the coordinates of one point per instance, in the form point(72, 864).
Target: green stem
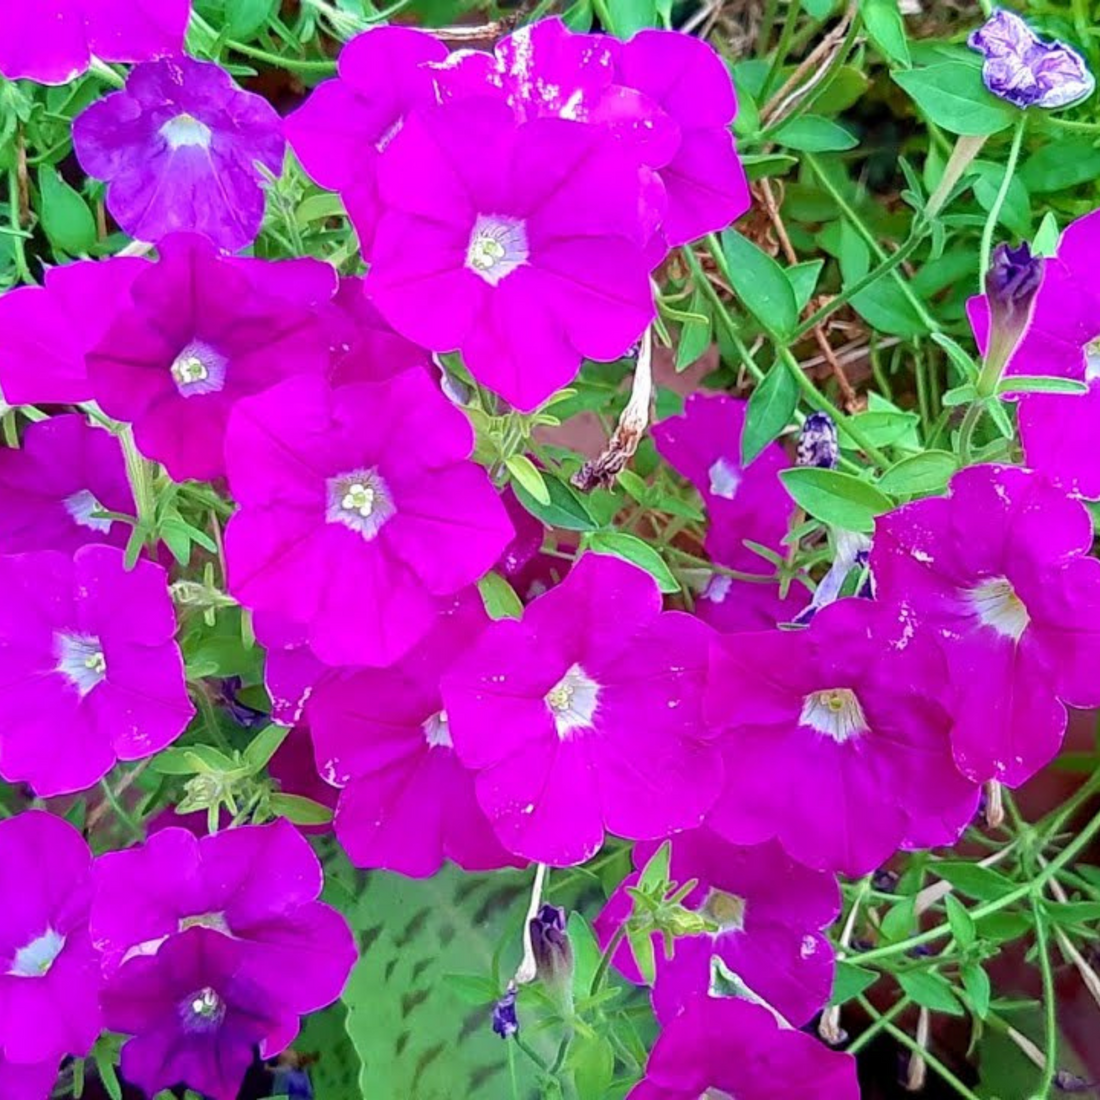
point(605, 959)
point(877, 1025)
point(1052, 824)
point(1050, 1024)
point(290, 63)
point(18, 237)
point(782, 49)
point(137, 470)
point(999, 200)
point(705, 563)
point(966, 431)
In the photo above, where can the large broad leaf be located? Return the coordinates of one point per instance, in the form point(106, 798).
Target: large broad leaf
point(953, 96)
point(333, 1063)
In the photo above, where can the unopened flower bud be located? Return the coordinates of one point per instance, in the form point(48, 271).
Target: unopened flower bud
point(1011, 284)
point(505, 1022)
point(817, 442)
point(552, 949)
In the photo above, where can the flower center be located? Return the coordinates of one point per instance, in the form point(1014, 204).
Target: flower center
point(81, 505)
point(198, 370)
point(215, 921)
point(1092, 359)
point(80, 660)
point(836, 713)
point(726, 910)
point(185, 130)
point(572, 701)
point(37, 958)
point(498, 245)
point(996, 604)
point(724, 479)
point(360, 500)
point(202, 1012)
point(437, 731)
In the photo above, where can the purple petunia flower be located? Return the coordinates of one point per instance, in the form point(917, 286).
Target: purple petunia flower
point(90, 672)
point(346, 124)
point(769, 911)
point(725, 1047)
point(522, 236)
point(203, 330)
point(836, 744)
point(358, 511)
point(33, 1082)
point(178, 148)
point(383, 736)
point(49, 330)
point(583, 717)
point(742, 502)
point(1000, 569)
point(49, 972)
point(53, 41)
point(1024, 69)
point(53, 487)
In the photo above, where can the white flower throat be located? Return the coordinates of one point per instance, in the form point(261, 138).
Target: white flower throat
point(497, 247)
point(198, 369)
point(360, 500)
point(80, 659)
point(836, 713)
point(997, 606)
point(572, 701)
point(185, 131)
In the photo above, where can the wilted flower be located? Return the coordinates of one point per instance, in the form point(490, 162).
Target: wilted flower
point(583, 717)
point(817, 442)
point(521, 236)
point(1026, 70)
point(54, 485)
point(1001, 570)
point(505, 1022)
point(90, 668)
point(359, 511)
point(53, 41)
point(725, 1047)
point(178, 148)
point(384, 737)
point(49, 972)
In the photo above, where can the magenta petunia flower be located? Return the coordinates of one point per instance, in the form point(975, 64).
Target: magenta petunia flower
point(203, 330)
point(256, 886)
point(33, 1082)
point(49, 330)
point(358, 511)
point(291, 668)
point(345, 125)
point(49, 972)
point(179, 148)
point(90, 672)
point(53, 41)
point(194, 1015)
point(1059, 434)
point(294, 769)
point(769, 910)
point(836, 742)
point(57, 484)
point(725, 1047)
point(383, 736)
point(584, 716)
point(521, 236)
point(1000, 569)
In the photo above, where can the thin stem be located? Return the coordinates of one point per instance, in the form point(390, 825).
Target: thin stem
point(605, 959)
point(325, 68)
point(877, 1025)
point(970, 422)
point(999, 199)
point(783, 48)
point(1050, 1025)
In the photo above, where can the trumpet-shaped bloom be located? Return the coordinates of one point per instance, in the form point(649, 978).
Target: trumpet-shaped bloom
point(57, 483)
point(523, 237)
point(724, 1047)
point(1001, 570)
point(383, 736)
point(90, 670)
point(49, 973)
point(583, 717)
point(53, 41)
point(358, 510)
point(178, 148)
point(836, 744)
point(202, 331)
point(769, 913)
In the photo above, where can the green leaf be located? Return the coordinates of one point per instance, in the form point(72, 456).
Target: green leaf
point(192, 760)
point(565, 509)
point(1060, 165)
point(1047, 235)
point(762, 285)
point(842, 500)
point(962, 924)
point(299, 810)
point(1072, 912)
point(928, 472)
point(630, 16)
point(885, 307)
point(1016, 211)
point(982, 883)
point(960, 359)
point(804, 278)
point(1041, 383)
point(695, 337)
point(632, 549)
point(66, 219)
point(499, 597)
point(953, 96)
point(473, 989)
point(844, 89)
point(814, 134)
point(636, 486)
point(883, 23)
point(586, 954)
point(263, 747)
point(887, 427)
point(770, 409)
point(850, 981)
point(336, 1071)
point(246, 17)
point(898, 922)
point(976, 983)
point(528, 475)
point(761, 165)
point(931, 991)
point(655, 872)
point(592, 1060)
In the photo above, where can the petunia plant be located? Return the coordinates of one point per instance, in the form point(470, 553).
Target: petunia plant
point(548, 551)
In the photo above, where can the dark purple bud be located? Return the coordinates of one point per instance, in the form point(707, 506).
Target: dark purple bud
point(817, 442)
point(241, 713)
point(885, 882)
point(552, 949)
point(1064, 1081)
point(505, 1023)
point(1011, 285)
